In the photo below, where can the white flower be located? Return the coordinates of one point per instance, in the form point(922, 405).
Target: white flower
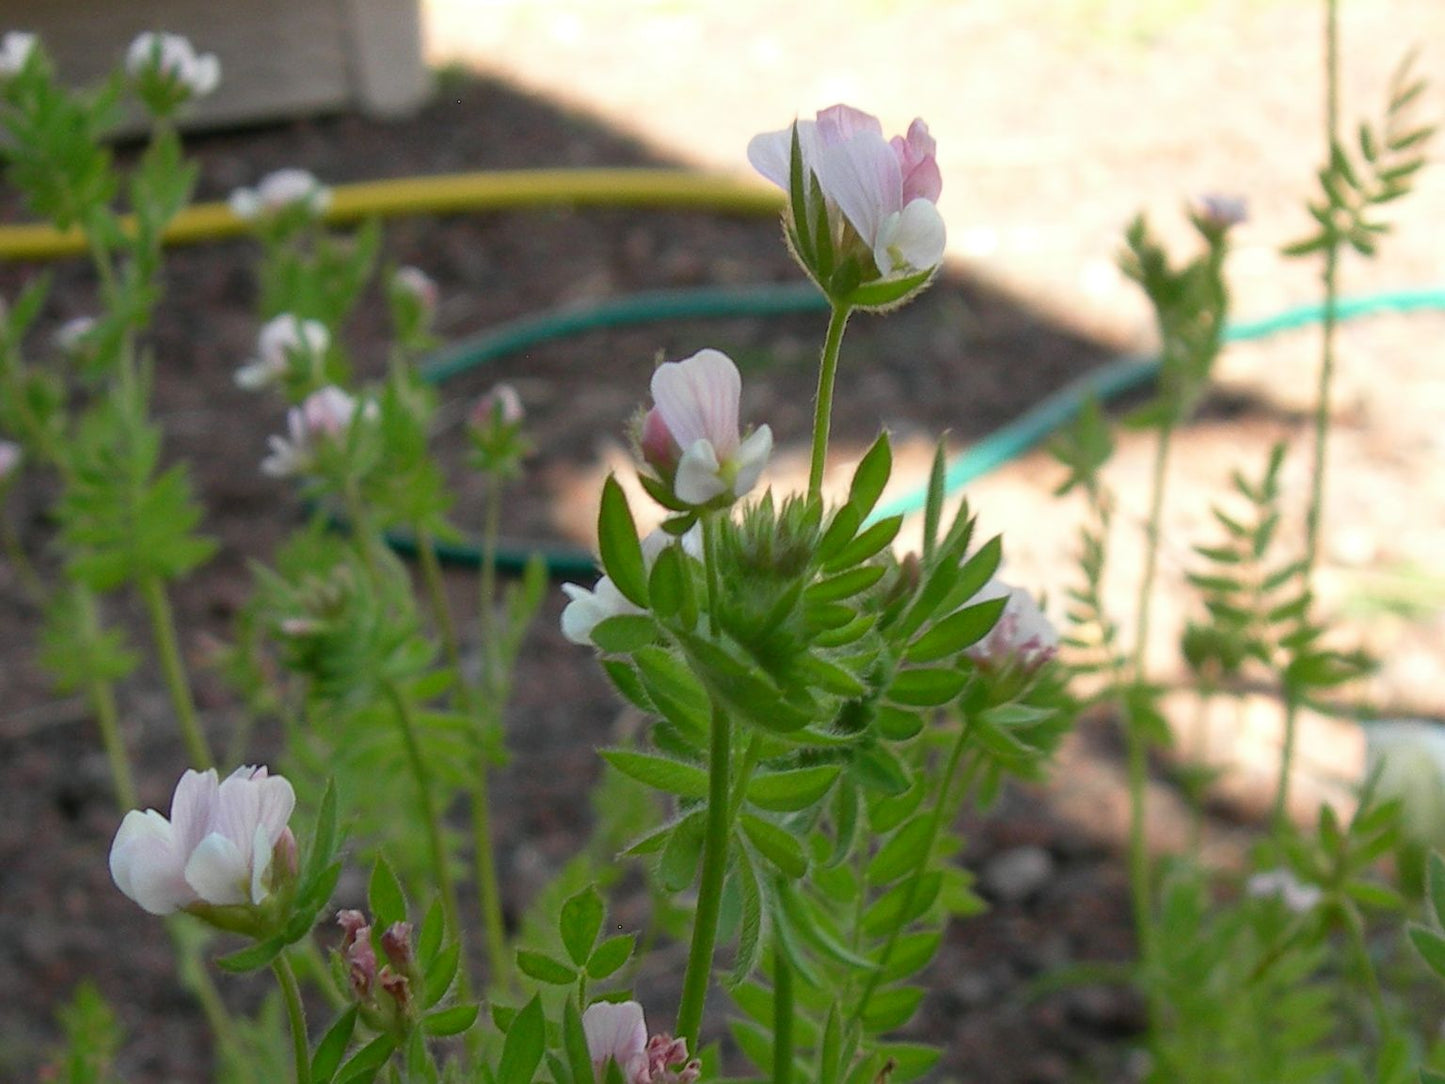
point(281, 339)
point(172, 59)
point(70, 336)
point(1022, 633)
point(281, 191)
point(617, 1032)
point(886, 190)
point(15, 49)
point(1289, 889)
point(589, 608)
point(217, 847)
point(501, 406)
point(1409, 757)
point(10, 457)
point(416, 283)
point(324, 415)
point(691, 437)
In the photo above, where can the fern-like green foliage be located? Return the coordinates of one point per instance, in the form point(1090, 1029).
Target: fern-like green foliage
point(1359, 180)
point(92, 1039)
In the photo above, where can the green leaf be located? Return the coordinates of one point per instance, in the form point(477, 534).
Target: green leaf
point(254, 957)
point(845, 584)
point(871, 476)
point(525, 1042)
point(892, 1008)
point(677, 867)
point(865, 545)
point(624, 633)
point(580, 923)
point(332, 1047)
point(670, 585)
point(438, 978)
point(780, 848)
point(750, 925)
point(388, 904)
point(450, 1021)
point(923, 687)
point(902, 903)
point(661, 773)
point(1430, 945)
point(609, 956)
point(544, 968)
point(367, 1062)
point(1436, 883)
point(620, 549)
point(956, 632)
point(676, 691)
point(933, 505)
point(841, 529)
point(904, 851)
point(792, 790)
point(574, 1042)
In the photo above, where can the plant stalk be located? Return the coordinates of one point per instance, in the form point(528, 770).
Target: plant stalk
point(823, 408)
point(782, 1018)
point(488, 715)
point(296, 1013)
point(163, 628)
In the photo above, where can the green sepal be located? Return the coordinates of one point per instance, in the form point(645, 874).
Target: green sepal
point(618, 544)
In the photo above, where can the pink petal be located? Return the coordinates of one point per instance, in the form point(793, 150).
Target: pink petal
point(838, 123)
point(193, 808)
point(615, 1031)
point(698, 400)
point(863, 178)
point(916, 157)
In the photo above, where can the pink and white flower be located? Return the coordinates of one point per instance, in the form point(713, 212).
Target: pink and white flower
point(171, 59)
point(323, 416)
point(691, 436)
point(1023, 633)
point(500, 407)
point(418, 285)
point(218, 847)
point(617, 1032)
point(15, 49)
point(281, 339)
point(279, 192)
point(588, 609)
point(70, 336)
point(1281, 884)
point(885, 190)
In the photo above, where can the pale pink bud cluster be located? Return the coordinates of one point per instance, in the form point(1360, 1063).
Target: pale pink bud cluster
point(1221, 212)
point(500, 407)
point(11, 455)
point(617, 1032)
point(219, 846)
point(15, 50)
point(323, 417)
point(886, 190)
point(173, 60)
point(281, 339)
point(1022, 635)
point(280, 192)
point(417, 284)
point(691, 438)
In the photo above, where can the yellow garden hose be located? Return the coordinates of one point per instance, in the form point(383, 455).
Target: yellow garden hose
point(449, 194)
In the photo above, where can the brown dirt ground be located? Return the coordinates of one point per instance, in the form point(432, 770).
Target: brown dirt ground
point(1047, 171)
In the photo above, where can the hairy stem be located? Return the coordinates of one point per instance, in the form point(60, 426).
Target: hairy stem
point(823, 409)
point(296, 1013)
point(431, 572)
point(163, 628)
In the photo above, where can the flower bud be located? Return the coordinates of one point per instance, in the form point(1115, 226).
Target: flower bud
point(352, 922)
point(168, 71)
point(500, 407)
point(396, 943)
point(16, 49)
point(283, 340)
point(283, 192)
point(398, 988)
point(361, 963)
point(1022, 634)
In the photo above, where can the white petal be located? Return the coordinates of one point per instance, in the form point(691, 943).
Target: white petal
point(193, 808)
point(699, 474)
point(262, 851)
point(863, 177)
point(752, 457)
point(697, 399)
point(145, 864)
point(771, 153)
point(616, 1031)
point(218, 871)
point(245, 203)
point(587, 608)
point(912, 240)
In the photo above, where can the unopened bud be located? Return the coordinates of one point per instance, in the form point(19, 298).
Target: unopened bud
point(500, 407)
point(351, 923)
point(397, 986)
point(396, 943)
point(361, 963)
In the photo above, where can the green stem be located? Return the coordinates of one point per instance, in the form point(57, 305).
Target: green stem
point(494, 695)
point(441, 867)
point(196, 979)
point(1138, 767)
point(15, 554)
point(361, 528)
point(1355, 926)
point(1151, 548)
point(782, 1019)
point(823, 409)
point(1280, 811)
point(163, 627)
point(709, 891)
point(436, 589)
point(297, 1015)
point(1330, 280)
point(925, 854)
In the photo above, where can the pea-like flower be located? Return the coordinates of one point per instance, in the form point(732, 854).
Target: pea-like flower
point(588, 609)
point(281, 339)
point(617, 1032)
point(1023, 634)
point(881, 192)
point(168, 70)
point(15, 50)
point(691, 437)
point(280, 192)
point(218, 847)
point(323, 417)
